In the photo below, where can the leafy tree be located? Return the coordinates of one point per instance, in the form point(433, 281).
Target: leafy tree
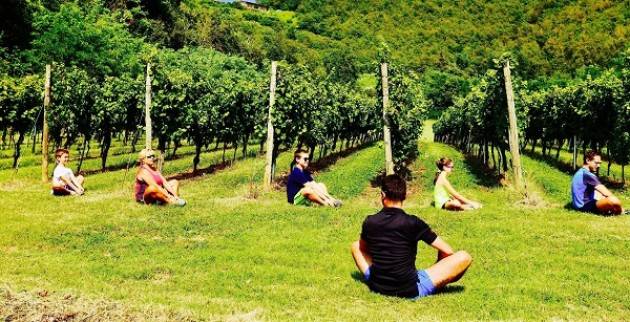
point(86, 37)
point(72, 110)
point(118, 108)
point(406, 112)
point(15, 23)
point(20, 103)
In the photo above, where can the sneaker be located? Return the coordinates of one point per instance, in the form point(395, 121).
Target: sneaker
point(626, 212)
point(180, 202)
point(337, 203)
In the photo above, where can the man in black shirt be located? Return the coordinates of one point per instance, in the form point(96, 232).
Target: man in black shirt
point(386, 252)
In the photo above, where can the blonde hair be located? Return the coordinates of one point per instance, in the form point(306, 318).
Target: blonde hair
point(144, 153)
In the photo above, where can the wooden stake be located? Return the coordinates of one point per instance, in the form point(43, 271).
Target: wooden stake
point(272, 100)
point(147, 109)
point(45, 127)
point(387, 135)
point(574, 152)
point(513, 130)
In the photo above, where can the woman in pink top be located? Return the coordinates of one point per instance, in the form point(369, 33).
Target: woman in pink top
point(151, 187)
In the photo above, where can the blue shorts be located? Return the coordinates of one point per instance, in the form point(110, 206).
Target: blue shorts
point(590, 206)
point(424, 283)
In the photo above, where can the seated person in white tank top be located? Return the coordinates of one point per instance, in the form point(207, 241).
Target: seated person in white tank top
point(64, 182)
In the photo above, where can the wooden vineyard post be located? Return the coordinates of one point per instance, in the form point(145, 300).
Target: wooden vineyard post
point(45, 126)
point(269, 156)
point(513, 130)
point(387, 135)
point(574, 161)
point(147, 109)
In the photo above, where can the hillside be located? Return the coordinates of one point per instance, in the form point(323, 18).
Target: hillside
point(464, 36)
point(455, 36)
point(450, 43)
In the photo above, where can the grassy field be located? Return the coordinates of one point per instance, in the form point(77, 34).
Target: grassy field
point(237, 253)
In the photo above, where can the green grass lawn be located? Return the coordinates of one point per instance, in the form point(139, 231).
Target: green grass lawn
point(229, 256)
point(564, 161)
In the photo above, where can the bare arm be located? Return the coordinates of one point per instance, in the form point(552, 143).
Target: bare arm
point(148, 178)
point(168, 186)
point(313, 185)
point(453, 192)
point(361, 255)
point(77, 184)
point(72, 184)
point(443, 248)
point(604, 191)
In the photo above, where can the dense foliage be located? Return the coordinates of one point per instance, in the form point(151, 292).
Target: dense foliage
point(211, 64)
point(585, 113)
point(406, 114)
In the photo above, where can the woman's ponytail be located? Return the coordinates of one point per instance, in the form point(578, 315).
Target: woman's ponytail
point(441, 163)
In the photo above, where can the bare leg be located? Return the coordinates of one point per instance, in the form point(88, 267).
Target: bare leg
point(454, 205)
point(154, 195)
point(323, 189)
point(361, 257)
point(175, 185)
point(319, 195)
point(449, 269)
point(78, 184)
point(313, 196)
point(325, 195)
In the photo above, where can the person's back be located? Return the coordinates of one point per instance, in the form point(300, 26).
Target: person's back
point(392, 236)
point(583, 189)
point(386, 251)
point(297, 179)
point(588, 193)
point(440, 195)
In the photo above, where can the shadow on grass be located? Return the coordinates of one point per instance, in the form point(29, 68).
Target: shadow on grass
point(405, 172)
point(132, 160)
point(483, 175)
point(450, 289)
point(550, 160)
point(569, 207)
point(321, 164)
point(358, 276)
point(210, 169)
point(568, 169)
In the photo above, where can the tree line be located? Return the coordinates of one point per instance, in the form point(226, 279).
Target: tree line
point(592, 112)
point(201, 97)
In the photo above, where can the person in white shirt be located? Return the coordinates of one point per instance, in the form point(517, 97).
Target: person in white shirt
point(64, 182)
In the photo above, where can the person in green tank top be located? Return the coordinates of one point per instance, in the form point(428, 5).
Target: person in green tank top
point(444, 195)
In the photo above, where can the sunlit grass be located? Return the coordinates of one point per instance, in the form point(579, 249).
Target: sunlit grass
point(226, 254)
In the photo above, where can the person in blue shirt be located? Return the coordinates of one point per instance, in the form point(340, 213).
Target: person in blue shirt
point(588, 193)
point(302, 189)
